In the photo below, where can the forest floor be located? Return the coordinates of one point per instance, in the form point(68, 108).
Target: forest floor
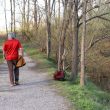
point(35, 91)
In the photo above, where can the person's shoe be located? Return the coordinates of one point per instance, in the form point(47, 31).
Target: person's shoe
point(16, 83)
point(12, 85)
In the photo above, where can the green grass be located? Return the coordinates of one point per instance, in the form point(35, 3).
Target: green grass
point(89, 97)
point(1, 58)
point(86, 98)
point(1, 54)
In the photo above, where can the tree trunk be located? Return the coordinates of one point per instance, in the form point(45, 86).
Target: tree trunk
point(82, 74)
point(14, 19)
point(58, 27)
point(28, 12)
point(66, 19)
point(48, 19)
point(62, 37)
point(23, 17)
point(35, 13)
point(5, 17)
point(11, 15)
point(74, 72)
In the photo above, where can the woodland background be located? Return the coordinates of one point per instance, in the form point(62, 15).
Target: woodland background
point(74, 33)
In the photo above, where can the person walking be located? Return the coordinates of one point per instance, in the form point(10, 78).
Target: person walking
point(12, 48)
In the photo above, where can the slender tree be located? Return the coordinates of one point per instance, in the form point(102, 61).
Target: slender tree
point(48, 22)
point(75, 59)
point(35, 13)
point(65, 24)
point(82, 74)
point(11, 6)
point(5, 17)
point(14, 19)
point(28, 11)
point(24, 16)
point(58, 34)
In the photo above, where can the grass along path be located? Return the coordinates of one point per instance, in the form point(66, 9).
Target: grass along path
point(1, 55)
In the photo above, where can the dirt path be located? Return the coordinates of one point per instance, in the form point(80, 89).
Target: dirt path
point(33, 93)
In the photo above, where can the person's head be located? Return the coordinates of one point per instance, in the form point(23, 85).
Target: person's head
point(11, 35)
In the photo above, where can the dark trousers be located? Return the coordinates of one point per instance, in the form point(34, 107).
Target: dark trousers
point(13, 71)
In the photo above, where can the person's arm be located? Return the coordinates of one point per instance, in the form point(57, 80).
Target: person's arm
point(3, 50)
point(21, 51)
point(3, 55)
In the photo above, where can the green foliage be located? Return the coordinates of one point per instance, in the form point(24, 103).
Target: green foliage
point(1, 57)
point(1, 54)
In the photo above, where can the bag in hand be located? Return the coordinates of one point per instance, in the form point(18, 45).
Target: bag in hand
point(21, 62)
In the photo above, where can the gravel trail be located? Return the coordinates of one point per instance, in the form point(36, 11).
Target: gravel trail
point(33, 93)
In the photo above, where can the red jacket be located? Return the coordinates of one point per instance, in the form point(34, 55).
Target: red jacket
point(11, 49)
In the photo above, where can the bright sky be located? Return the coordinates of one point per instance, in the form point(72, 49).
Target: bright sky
point(2, 14)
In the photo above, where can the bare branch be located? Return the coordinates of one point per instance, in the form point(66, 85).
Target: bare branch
point(52, 7)
point(92, 43)
point(97, 16)
point(96, 6)
point(103, 18)
point(96, 41)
